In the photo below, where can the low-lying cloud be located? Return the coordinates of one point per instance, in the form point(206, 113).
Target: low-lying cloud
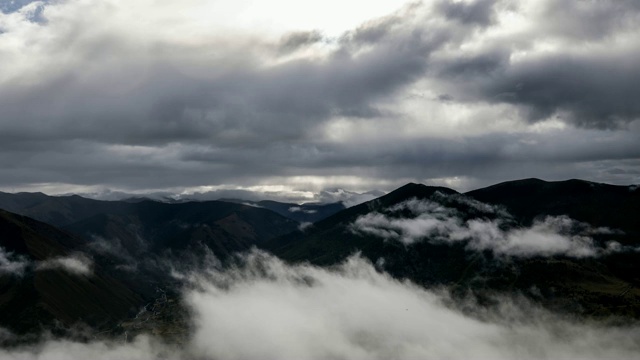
point(295, 209)
point(11, 263)
point(348, 198)
point(266, 309)
point(141, 349)
point(77, 264)
point(435, 221)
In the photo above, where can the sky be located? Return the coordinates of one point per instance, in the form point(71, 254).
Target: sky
point(290, 98)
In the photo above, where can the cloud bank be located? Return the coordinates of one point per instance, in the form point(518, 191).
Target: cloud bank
point(77, 264)
point(433, 221)
point(153, 96)
point(11, 263)
point(269, 310)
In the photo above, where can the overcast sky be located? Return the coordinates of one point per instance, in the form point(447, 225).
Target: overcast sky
point(292, 97)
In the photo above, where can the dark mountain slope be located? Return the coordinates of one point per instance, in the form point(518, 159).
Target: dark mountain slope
point(66, 210)
point(136, 247)
point(37, 296)
point(133, 240)
point(154, 227)
point(147, 225)
point(16, 202)
point(59, 210)
point(330, 240)
point(159, 225)
point(600, 205)
point(606, 205)
point(308, 212)
point(598, 285)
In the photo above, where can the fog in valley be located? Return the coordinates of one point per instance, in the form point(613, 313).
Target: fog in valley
point(267, 309)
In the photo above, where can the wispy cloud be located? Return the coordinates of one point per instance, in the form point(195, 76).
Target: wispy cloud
point(295, 209)
point(433, 221)
point(78, 264)
point(11, 263)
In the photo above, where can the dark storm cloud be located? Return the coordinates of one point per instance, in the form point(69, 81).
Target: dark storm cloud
point(478, 151)
point(588, 90)
point(585, 21)
point(480, 12)
point(296, 40)
point(114, 104)
point(153, 104)
point(236, 108)
point(591, 83)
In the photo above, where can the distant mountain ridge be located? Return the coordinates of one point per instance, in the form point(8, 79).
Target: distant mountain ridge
point(387, 231)
point(599, 204)
point(68, 209)
point(572, 246)
point(303, 213)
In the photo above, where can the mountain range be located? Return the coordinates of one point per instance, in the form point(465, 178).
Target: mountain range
point(571, 246)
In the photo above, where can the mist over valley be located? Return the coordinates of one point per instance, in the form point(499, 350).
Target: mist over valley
point(411, 274)
point(362, 179)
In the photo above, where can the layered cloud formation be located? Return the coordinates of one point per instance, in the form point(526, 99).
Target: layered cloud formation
point(195, 96)
point(269, 310)
point(433, 221)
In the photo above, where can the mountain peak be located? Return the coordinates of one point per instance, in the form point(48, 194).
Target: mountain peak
point(416, 190)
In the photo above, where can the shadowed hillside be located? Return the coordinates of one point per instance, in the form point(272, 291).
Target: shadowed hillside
point(539, 242)
point(597, 204)
point(39, 285)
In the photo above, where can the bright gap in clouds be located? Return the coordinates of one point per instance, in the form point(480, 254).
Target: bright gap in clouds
point(332, 17)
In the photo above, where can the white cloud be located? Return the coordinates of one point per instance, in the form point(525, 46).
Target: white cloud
point(434, 222)
point(270, 310)
point(304, 226)
point(266, 309)
point(348, 198)
point(472, 203)
point(77, 264)
point(295, 209)
point(11, 263)
point(143, 348)
point(541, 239)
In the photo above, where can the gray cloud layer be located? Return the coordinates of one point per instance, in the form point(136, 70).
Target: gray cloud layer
point(458, 93)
